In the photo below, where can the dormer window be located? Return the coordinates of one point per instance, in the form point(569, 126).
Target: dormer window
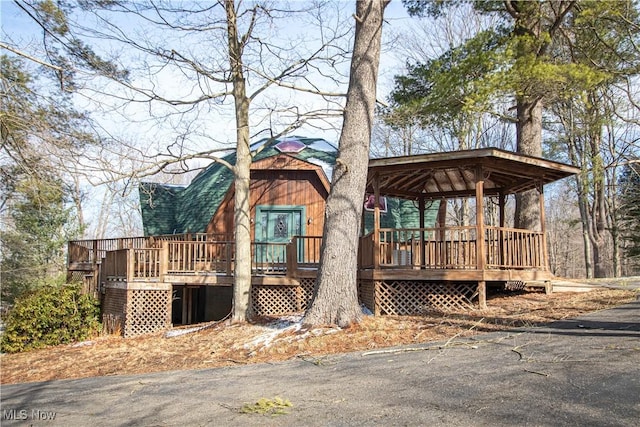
point(290, 146)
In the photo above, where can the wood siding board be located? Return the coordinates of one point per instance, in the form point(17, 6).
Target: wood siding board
point(290, 187)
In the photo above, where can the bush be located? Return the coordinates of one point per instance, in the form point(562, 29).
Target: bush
point(50, 315)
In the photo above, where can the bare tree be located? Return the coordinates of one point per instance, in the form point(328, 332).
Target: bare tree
point(336, 298)
point(195, 68)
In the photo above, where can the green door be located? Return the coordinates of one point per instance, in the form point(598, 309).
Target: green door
point(275, 226)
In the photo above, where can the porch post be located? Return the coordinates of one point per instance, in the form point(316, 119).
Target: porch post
point(376, 223)
point(543, 228)
point(94, 256)
point(440, 244)
point(501, 207)
point(421, 207)
point(480, 240)
point(164, 259)
point(186, 314)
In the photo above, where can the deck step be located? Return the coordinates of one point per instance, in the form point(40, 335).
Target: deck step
point(536, 284)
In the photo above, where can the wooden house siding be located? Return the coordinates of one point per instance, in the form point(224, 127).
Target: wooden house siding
point(279, 181)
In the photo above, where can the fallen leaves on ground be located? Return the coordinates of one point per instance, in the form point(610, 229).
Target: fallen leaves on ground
point(277, 339)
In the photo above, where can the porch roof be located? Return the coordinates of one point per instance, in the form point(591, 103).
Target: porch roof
point(452, 174)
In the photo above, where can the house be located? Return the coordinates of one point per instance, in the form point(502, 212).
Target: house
point(288, 188)
point(410, 259)
point(182, 268)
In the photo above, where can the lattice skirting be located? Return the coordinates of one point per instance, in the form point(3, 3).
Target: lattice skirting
point(417, 297)
point(306, 287)
point(366, 294)
point(89, 280)
point(134, 311)
point(114, 308)
point(277, 300)
point(76, 275)
point(148, 310)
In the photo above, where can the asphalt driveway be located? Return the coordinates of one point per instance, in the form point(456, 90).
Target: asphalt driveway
point(578, 372)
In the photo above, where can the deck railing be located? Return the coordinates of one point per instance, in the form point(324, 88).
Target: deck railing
point(199, 256)
point(453, 248)
point(307, 250)
point(171, 257)
point(443, 248)
point(146, 263)
point(93, 251)
point(268, 258)
point(412, 248)
point(510, 248)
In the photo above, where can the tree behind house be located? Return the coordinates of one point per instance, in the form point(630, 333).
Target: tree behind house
point(36, 217)
point(629, 213)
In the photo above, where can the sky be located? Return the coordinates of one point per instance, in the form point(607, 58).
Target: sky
point(212, 126)
point(21, 31)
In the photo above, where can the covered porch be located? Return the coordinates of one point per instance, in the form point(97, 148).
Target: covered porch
point(444, 262)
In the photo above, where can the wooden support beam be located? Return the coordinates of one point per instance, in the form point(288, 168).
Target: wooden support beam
point(502, 201)
point(480, 245)
point(441, 219)
point(185, 305)
point(376, 222)
point(480, 238)
point(482, 295)
point(94, 256)
point(164, 260)
point(423, 252)
point(292, 257)
point(131, 264)
point(543, 228)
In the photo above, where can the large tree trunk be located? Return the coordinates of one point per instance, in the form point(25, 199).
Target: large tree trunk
point(598, 232)
point(529, 139)
point(242, 170)
point(584, 215)
point(336, 297)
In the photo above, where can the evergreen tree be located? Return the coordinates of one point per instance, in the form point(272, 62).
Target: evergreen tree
point(35, 218)
point(629, 212)
point(513, 60)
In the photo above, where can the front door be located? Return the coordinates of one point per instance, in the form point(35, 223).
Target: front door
point(275, 226)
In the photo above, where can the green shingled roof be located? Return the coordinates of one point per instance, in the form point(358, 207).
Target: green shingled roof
point(157, 203)
point(172, 209)
point(402, 214)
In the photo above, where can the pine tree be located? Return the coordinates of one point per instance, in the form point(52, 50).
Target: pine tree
point(629, 212)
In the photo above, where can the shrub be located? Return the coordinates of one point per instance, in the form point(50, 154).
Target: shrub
point(50, 315)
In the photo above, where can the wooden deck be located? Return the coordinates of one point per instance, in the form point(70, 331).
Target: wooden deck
point(402, 271)
point(433, 254)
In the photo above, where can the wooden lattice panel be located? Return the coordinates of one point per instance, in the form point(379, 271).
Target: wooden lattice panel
point(74, 276)
point(416, 297)
point(514, 285)
point(148, 310)
point(366, 294)
point(275, 300)
point(306, 286)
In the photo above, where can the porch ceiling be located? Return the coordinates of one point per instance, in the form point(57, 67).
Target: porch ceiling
point(452, 174)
